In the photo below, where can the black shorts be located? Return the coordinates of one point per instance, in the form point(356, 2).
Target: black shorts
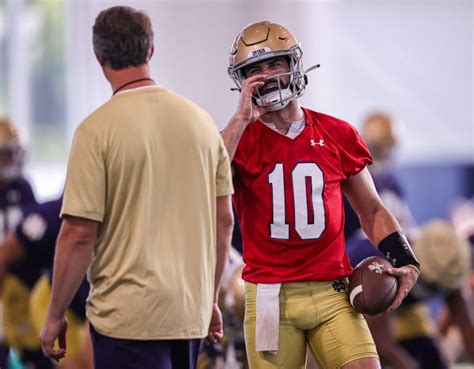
point(143, 354)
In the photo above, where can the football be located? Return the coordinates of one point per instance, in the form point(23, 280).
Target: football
point(371, 289)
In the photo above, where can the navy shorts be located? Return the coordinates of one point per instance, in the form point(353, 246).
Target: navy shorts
point(140, 354)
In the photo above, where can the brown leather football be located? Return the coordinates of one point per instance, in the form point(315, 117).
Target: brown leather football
point(371, 289)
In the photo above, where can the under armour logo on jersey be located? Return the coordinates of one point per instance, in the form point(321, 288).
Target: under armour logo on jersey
point(320, 142)
point(375, 266)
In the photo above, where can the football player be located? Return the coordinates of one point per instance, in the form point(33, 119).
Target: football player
point(14, 188)
point(291, 166)
point(381, 135)
point(27, 253)
point(408, 337)
point(15, 192)
point(456, 343)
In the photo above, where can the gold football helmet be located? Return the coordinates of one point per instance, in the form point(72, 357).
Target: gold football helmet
point(11, 152)
point(264, 40)
point(236, 293)
point(378, 130)
point(444, 257)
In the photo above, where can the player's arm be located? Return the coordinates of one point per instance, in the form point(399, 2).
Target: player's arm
point(73, 255)
point(225, 225)
point(391, 353)
point(462, 314)
point(376, 220)
point(383, 230)
point(11, 251)
point(247, 112)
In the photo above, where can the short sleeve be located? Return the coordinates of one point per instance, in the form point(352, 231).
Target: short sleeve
point(223, 176)
point(85, 188)
point(354, 153)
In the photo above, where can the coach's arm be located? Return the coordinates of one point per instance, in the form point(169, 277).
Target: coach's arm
point(225, 226)
point(73, 255)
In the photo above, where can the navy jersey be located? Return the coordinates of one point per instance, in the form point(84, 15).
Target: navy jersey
point(37, 233)
point(392, 195)
point(38, 230)
point(359, 247)
point(13, 195)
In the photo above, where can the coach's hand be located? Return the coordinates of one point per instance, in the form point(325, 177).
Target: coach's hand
point(216, 330)
point(407, 277)
point(54, 329)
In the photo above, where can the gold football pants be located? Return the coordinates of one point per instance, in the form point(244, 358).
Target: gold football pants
point(17, 324)
point(39, 302)
point(314, 314)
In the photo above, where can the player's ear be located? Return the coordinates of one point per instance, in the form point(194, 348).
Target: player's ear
point(99, 58)
point(150, 53)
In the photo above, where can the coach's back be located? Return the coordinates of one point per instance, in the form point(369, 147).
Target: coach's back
point(151, 165)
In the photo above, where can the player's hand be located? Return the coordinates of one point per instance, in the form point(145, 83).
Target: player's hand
point(216, 330)
point(247, 111)
point(54, 329)
point(407, 277)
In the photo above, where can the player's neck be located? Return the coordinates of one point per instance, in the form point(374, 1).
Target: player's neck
point(282, 119)
point(127, 78)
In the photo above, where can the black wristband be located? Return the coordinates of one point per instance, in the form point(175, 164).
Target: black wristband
point(397, 250)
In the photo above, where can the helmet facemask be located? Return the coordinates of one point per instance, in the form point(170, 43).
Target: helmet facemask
point(266, 40)
point(275, 100)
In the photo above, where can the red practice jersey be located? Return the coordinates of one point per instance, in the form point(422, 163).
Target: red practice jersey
point(289, 200)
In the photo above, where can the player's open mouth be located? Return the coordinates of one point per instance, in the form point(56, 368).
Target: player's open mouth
point(269, 88)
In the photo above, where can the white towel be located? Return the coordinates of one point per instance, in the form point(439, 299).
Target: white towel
point(268, 317)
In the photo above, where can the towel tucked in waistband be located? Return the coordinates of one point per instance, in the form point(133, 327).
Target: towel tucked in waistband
point(268, 317)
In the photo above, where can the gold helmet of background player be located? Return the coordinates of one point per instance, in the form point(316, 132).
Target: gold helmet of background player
point(11, 152)
point(264, 40)
point(378, 130)
point(444, 256)
point(236, 292)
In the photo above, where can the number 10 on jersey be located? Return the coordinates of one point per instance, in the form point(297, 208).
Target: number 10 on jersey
point(305, 202)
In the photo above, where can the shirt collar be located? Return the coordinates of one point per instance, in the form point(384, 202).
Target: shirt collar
point(296, 127)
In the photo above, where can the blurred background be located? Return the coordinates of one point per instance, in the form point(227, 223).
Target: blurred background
point(412, 59)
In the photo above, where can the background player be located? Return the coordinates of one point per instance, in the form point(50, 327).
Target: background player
point(408, 338)
point(15, 192)
point(27, 253)
point(381, 135)
point(291, 166)
point(455, 344)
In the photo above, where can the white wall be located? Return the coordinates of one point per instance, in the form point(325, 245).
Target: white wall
point(411, 58)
